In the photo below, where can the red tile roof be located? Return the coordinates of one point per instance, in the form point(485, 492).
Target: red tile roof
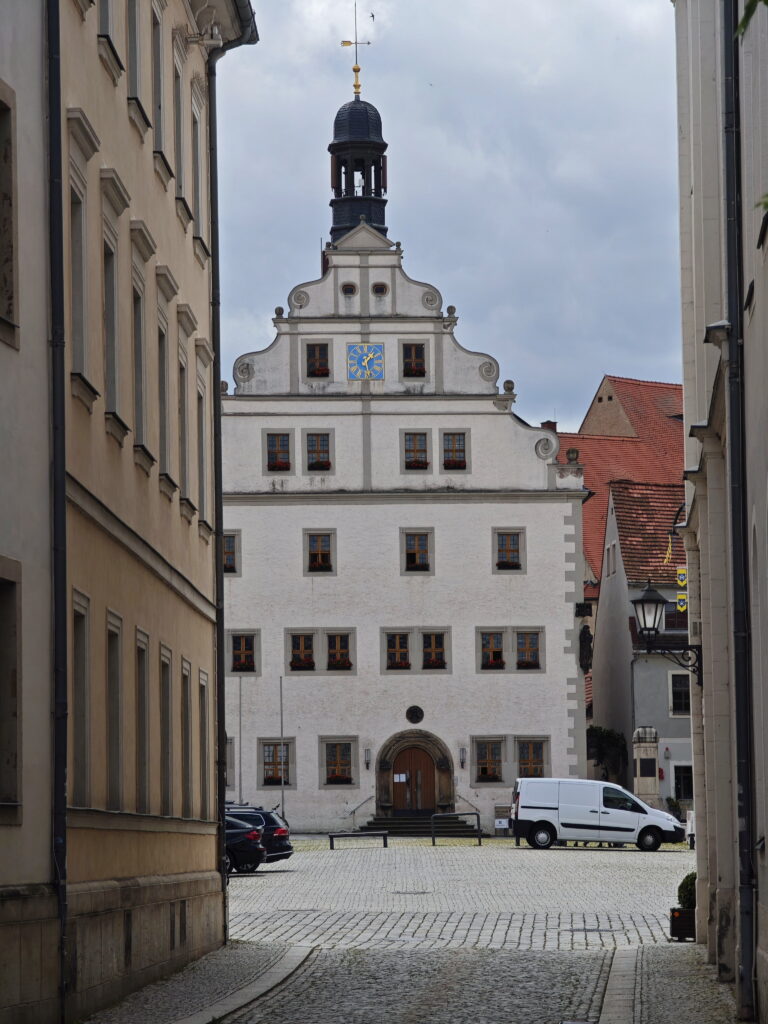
point(645, 514)
point(655, 455)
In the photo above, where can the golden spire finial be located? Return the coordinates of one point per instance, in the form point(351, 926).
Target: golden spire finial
point(356, 42)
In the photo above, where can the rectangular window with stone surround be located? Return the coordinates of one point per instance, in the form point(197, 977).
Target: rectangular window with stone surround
point(276, 763)
point(531, 758)
point(317, 360)
point(488, 760)
point(415, 450)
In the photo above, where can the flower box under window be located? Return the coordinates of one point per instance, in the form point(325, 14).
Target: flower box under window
point(279, 466)
point(414, 371)
point(506, 564)
point(320, 567)
point(319, 371)
point(455, 464)
point(416, 464)
point(339, 664)
point(489, 777)
point(528, 664)
point(417, 567)
point(339, 780)
point(493, 664)
point(273, 780)
point(242, 665)
point(434, 663)
point(302, 664)
point(399, 664)
point(316, 464)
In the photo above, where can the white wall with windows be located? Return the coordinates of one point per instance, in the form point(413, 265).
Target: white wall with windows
point(403, 551)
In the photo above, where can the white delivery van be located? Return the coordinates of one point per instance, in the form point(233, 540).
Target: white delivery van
point(545, 810)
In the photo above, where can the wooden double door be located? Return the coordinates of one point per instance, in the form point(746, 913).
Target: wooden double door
point(413, 783)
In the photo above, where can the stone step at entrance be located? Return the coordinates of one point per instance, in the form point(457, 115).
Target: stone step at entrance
point(420, 826)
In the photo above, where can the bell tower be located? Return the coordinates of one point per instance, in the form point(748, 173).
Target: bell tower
point(358, 167)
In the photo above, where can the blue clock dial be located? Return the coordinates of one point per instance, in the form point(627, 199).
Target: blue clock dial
point(365, 362)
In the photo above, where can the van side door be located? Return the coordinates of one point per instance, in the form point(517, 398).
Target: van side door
point(620, 816)
point(579, 811)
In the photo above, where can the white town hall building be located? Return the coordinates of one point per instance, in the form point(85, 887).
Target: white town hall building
point(400, 547)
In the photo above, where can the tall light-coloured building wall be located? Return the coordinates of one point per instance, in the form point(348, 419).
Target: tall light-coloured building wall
point(477, 723)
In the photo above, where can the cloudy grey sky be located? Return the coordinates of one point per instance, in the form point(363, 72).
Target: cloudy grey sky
point(532, 176)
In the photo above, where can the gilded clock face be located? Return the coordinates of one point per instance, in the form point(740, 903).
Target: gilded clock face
point(365, 362)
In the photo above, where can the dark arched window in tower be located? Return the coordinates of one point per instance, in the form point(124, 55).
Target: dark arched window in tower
point(358, 168)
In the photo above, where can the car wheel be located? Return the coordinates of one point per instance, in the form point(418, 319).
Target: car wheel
point(229, 864)
point(541, 836)
point(649, 840)
point(247, 868)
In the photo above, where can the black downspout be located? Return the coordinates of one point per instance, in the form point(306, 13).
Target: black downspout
point(742, 676)
point(249, 35)
point(59, 496)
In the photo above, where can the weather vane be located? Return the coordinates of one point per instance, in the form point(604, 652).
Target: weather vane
point(357, 42)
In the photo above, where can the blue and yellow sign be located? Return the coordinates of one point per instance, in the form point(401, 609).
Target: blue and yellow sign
point(365, 362)
point(682, 601)
point(682, 575)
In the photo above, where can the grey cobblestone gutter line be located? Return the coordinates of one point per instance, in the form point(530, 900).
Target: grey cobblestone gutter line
point(619, 1000)
point(236, 1000)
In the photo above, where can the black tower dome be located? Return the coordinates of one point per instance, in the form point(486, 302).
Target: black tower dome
point(358, 168)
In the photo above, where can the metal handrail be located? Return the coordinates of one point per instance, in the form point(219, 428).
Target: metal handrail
point(458, 814)
point(351, 814)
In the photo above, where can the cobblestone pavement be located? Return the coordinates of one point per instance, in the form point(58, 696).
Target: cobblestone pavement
point(354, 986)
point(451, 935)
point(497, 896)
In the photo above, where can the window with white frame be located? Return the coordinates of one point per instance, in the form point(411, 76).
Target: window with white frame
point(683, 781)
point(680, 694)
point(157, 79)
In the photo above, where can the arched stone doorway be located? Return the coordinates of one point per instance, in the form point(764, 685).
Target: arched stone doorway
point(427, 764)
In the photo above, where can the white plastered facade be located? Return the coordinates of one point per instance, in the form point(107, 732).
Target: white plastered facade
point(367, 501)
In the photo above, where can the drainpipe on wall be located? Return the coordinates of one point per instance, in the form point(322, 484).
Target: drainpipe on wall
point(742, 679)
point(249, 36)
point(58, 487)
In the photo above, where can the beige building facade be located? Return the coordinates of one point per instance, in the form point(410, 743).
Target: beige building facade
point(29, 928)
point(143, 890)
point(722, 97)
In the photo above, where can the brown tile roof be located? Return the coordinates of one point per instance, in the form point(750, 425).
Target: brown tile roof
point(644, 515)
point(655, 455)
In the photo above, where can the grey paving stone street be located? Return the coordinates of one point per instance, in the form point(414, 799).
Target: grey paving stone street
point(456, 933)
point(496, 896)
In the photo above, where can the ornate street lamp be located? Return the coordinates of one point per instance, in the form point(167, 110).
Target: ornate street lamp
point(649, 611)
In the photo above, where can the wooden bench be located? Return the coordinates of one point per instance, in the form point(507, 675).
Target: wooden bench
point(332, 836)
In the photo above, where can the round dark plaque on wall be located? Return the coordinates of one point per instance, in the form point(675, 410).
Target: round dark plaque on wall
point(414, 714)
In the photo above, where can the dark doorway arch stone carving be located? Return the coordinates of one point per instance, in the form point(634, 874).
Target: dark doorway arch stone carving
point(438, 751)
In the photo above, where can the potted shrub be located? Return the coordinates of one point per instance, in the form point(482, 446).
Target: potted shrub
point(682, 919)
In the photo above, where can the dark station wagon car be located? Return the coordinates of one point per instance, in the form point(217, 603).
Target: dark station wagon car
point(274, 830)
point(244, 847)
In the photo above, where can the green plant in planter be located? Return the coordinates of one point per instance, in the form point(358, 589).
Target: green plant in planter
point(686, 892)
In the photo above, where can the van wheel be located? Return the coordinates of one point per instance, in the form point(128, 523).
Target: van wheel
point(541, 836)
point(649, 840)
